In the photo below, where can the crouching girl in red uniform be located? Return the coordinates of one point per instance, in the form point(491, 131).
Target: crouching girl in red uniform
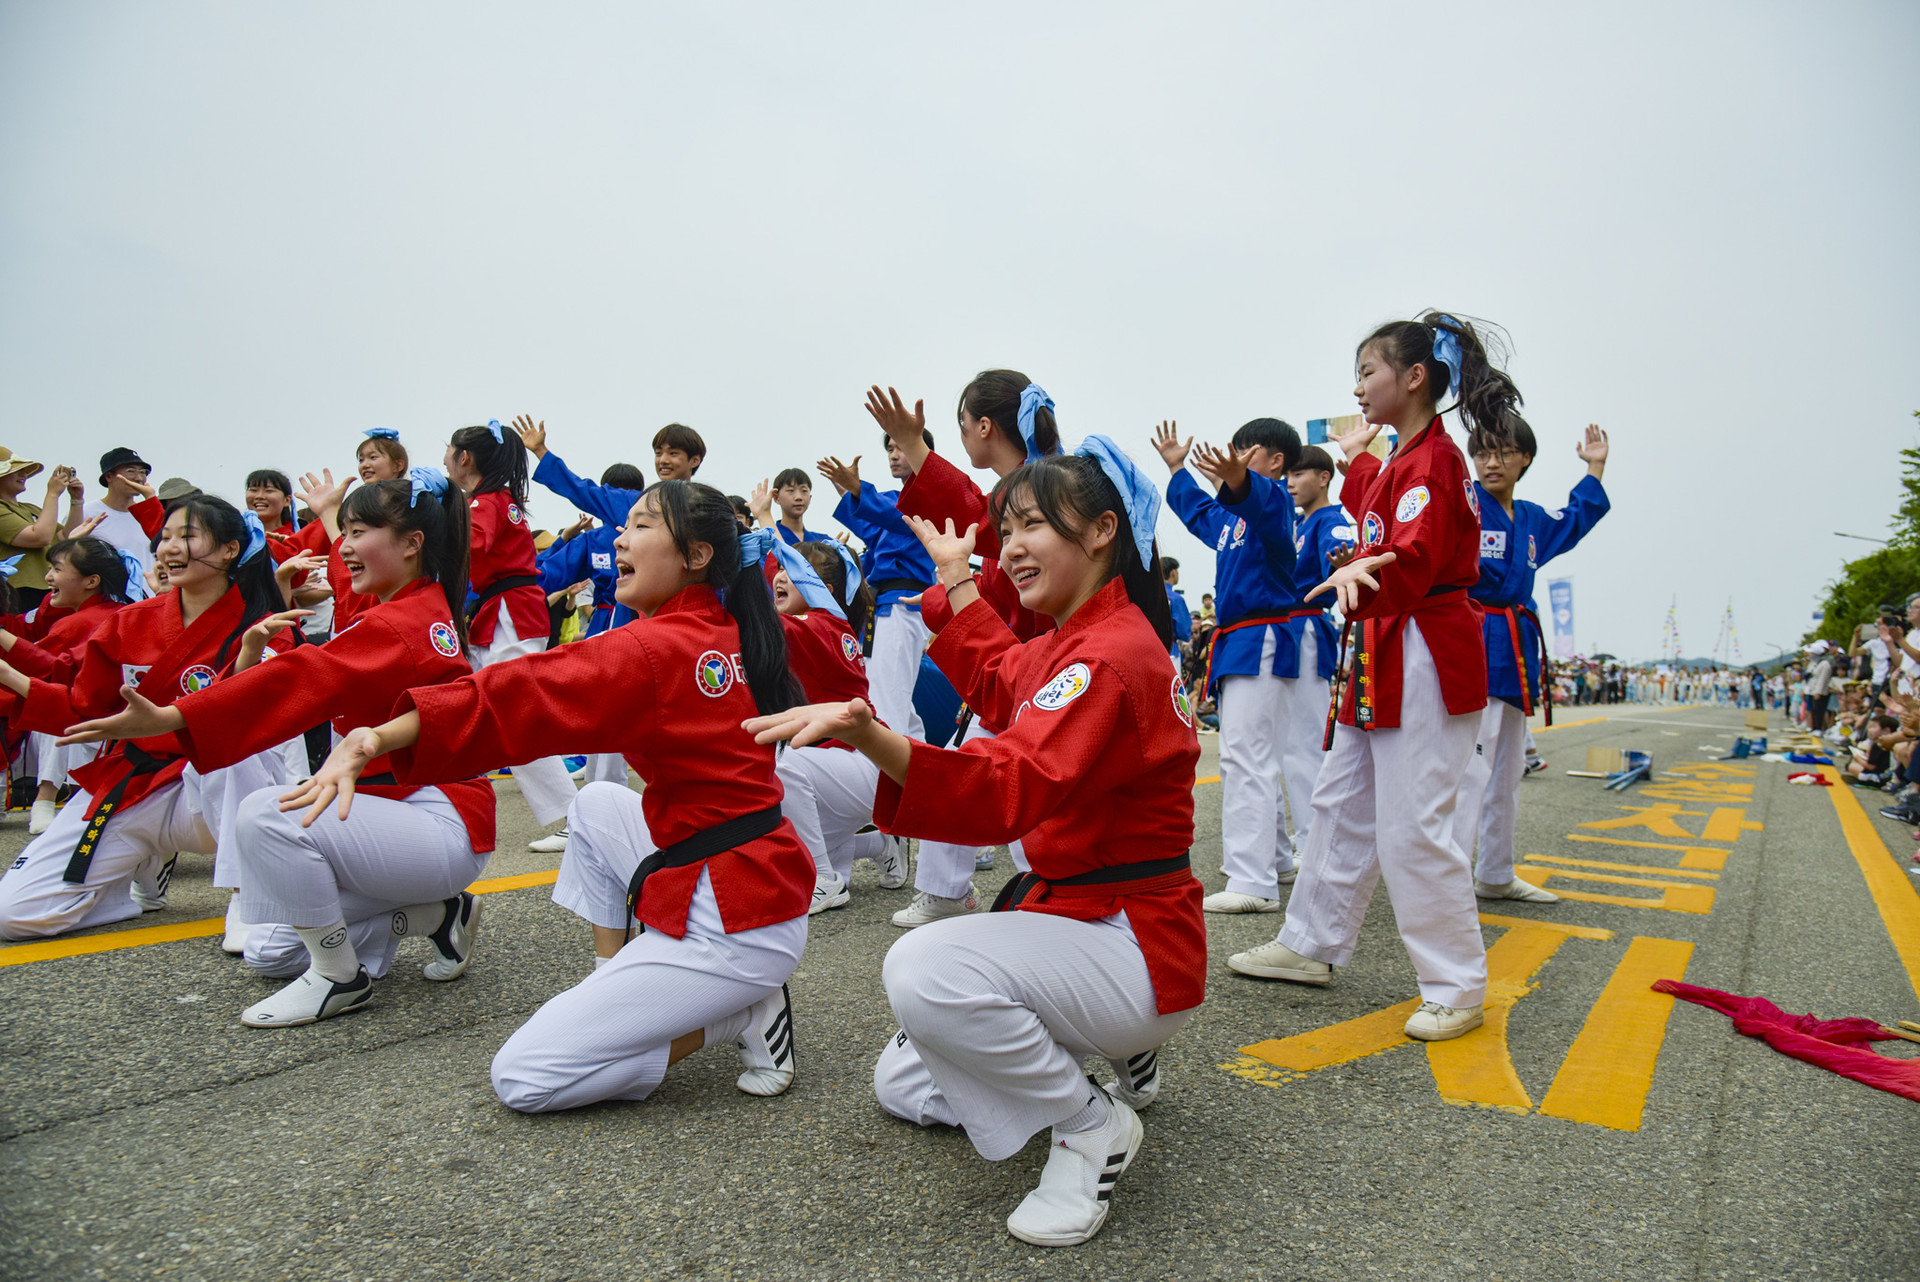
point(1105, 951)
point(717, 879)
point(330, 902)
point(109, 854)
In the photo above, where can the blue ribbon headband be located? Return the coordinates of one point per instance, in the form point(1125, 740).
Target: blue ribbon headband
point(854, 577)
point(384, 433)
point(256, 537)
point(1446, 350)
point(805, 579)
point(1141, 497)
point(136, 575)
point(426, 480)
point(754, 546)
point(1031, 400)
point(12, 563)
point(493, 425)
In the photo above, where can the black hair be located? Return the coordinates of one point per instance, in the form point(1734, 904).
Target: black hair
point(623, 476)
point(1276, 436)
point(1486, 394)
point(1313, 459)
point(1515, 434)
point(696, 513)
point(442, 521)
point(88, 556)
point(926, 434)
point(832, 570)
point(502, 464)
point(791, 476)
point(268, 477)
point(742, 511)
point(387, 445)
point(1168, 564)
point(1070, 492)
point(221, 522)
point(995, 394)
point(678, 436)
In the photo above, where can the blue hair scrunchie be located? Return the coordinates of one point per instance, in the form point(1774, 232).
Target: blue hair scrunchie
point(256, 537)
point(854, 577)
point(12, 563)
point(500, 437)
point(1138, 494)
point(384, 433)
point(1032, 399)
point(754, 546)
point(1446, 350)
point(426, 480)
point(806, 580)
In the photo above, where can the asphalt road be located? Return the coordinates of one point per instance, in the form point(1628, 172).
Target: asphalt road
point(147, 1134)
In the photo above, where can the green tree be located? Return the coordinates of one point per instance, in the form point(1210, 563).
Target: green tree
point(1880, 578)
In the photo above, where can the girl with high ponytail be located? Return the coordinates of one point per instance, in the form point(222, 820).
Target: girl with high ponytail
point(701, 864)
point(1383, 804)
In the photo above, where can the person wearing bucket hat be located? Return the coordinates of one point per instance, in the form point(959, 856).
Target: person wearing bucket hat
point(124, 473)
point(26, 530)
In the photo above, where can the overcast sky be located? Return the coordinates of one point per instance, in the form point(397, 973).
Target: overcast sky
point(233, 236)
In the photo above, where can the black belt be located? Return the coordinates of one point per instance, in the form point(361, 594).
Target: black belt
point(1016, 890)
point(896, 585)
point(702, 845)
point(505, 584)
point(143, 764)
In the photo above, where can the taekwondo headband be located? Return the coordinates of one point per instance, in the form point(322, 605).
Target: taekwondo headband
point(1446, 350)
point(136, 572)
point(854, 577)
point(426, 480)
point(1137, 493)
point(806, 580)
point(256, 537)
point(754, 546)
point(384, 433)
point(493, 425)
point(1031, 401)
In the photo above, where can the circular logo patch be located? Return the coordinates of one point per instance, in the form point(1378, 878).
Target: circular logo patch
point(850, 646)
point(444, 639)
point(1063, 689)
point(1182, 705)
point(1411, 504)
point(198, 677)
point(713, 674)
point(1240, 529)
point(1533, 552)
point(1473, 499)
point(1372, 530)
point(515, 515)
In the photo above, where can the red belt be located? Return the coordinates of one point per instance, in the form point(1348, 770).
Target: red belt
point(1260, 622)
point(1514, 614)
point(1439, 595)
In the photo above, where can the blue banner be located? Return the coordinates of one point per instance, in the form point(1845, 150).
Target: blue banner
point(1560, 604)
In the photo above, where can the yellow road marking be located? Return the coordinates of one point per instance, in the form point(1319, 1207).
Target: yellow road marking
point(1673, 899)
point(1728, 823)
point(1606, 867)
point(1580, 932)
point(1658, 820)
point(1606, 1076)
point(1208, 779)
point(1892, 890)
point(1695, 856)
point(1568, 725)
point(1478, 1068)
point(519, 882)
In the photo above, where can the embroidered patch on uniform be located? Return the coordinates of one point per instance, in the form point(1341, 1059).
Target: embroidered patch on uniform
point(1493, 544)
point(444, 639)
point(713, 674)
point(1299, 544)
point(1411, 504)
point(1182, 706)
point(198, 677)
point(1342, 534)
point(1240, 531)
point(1473, 499)
point(850, 646)
point(515, 515)
point(1220, 544)
point(1372, 530)
point(603, 560)
point(1533, 553)
point(1064, 689)
point(131, 674)
point(1558, 514)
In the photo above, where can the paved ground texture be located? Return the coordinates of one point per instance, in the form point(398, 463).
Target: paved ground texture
point(1592, 1129)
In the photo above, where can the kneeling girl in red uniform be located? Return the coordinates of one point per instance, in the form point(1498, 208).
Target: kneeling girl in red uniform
point(717, 879)
point(1104, 952)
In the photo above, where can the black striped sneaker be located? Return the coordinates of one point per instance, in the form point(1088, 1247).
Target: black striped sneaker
point(454, 940)
point(766, 1048)
point(1136, 1081)
point(1076, 1188)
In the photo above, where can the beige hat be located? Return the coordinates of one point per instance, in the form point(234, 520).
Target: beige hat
point(10, 464)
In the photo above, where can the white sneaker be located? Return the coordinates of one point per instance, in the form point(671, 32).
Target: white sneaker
point(1136, 1081)
point(1232, 901)
point(40, 817)
point(1276, 961)
point(983, 862)
point(766, 1048)
point(1076, 1186)
point(828, 892)
point(310, 998)
point(893, 863)
point(1523, 891)
point(552, 844)
point(1436, 1023)
point(150, 882)
point(454, 940)
point(1288, 877)
point(234, 941)
point(927, 908)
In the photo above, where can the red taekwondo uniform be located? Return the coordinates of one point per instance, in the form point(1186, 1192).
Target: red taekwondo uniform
point(1105, 950)
point(53, 654)
point(507, 618)
point(723, 908)
point(109, 852)
point(401, 845)
point(1383, 804)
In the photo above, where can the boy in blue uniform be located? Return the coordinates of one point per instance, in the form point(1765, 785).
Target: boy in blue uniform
point(794, 493)
point(1177, 603)
point(1323, 538)
point(1516, 539)
point(1254, 663)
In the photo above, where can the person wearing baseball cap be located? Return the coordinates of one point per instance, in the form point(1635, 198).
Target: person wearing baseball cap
point(124, 473)
point(27, 531)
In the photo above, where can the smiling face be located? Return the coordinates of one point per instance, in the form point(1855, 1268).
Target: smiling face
point(70, 589)
point(189, 555)
point(1054, 574)
point(1387, 395)
point(267, 503)
point(648, 563)
point(672, 464)
point(376, 466)
point(786, 597)
point(381, 559)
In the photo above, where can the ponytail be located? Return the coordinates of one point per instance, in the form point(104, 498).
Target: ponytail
point(441, 519)
point(1458, 358)
point(696, 513)
point(995, 394)
point(832, 570)
point(502, 462)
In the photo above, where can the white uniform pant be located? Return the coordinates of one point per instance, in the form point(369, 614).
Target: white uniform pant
point(900, 637)
point(36, 900)
point(1271, 729)
point(998, 1012)
point(1384, 806)
point(829, 798)
point(51, 762)
point(945, 869)
point(545, 784)
point(386, 855)
point(1489, 805)
point(605, 767)
point(608, 1037)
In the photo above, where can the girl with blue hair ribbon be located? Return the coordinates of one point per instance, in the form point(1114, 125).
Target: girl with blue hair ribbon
point(1005, 421)
point(1100, 949)
point(108, 854)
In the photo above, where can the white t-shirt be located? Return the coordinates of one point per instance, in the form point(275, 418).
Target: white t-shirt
point(1877, 651)
point(123, 530)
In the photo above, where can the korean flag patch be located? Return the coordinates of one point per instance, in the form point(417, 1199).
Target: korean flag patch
point(1411, 504)
point(1064, 689)
point(603, 560)
point(131, 674)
